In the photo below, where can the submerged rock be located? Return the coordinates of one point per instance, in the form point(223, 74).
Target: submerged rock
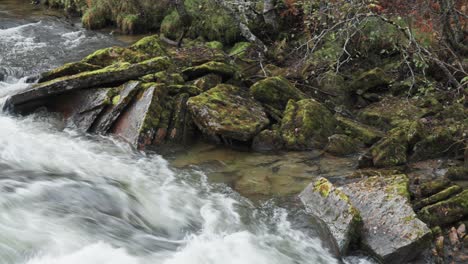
point(306, 124)
point(327, 202)
point(446, 212)
point(107, 76)
point(228, 112)
point(391, 230)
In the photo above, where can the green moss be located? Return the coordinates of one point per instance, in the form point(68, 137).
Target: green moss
point(215, 45)
point(457, 173)
point(323, 186)
point(109, 56)
point(239, 49)
point(116, 99)
point(370, 80)
point(442, 195)
point(67, 69)
point(433, 187)
point(189, 89)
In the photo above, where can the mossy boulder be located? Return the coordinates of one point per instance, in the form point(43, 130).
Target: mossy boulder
point(67, 69)
point(325, 201)
point(109, 56)
point(275, 92)
point(446, 212)
point(114, 74)
point(164, 77)
point(227, 111)
point(341, 145)
point(240, 50)
point(440, 196)
point(432, 187)
point(367, 134)
point(222, 69)
point(150, 45)
point(175, 89)
point(209, 21)
point(390, 112)
point(393, 149)
point(457, 173)
point(391, 231)
point(267, 140)
point(306, 124)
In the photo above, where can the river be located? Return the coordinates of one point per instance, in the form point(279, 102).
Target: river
point(69, 198)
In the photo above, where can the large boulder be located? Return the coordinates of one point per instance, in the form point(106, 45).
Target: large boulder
point(111, 75)
point(139, 123)
point(391, 231)
point(229, 112)
point(306, 124)
point(328, 203)
point(275, 92)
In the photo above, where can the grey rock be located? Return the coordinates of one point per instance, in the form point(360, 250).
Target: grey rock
point(391, 231)
point(328, 203)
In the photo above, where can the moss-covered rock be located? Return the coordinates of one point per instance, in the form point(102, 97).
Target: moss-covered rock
point(113, 74)
point(368, 135)
point(306, 124)
point(370, 81)
point(393, 149)
point(341, 145)
point(457, 173)
point(210, 21)
point(150, 45)
point(227, 111)
point(275, 92)
point(208, 81)
point(432, 187)
point(267, 140)
point(109, 56)
point(390, 112)
point(391, 230)
point(67, 69)
point(240, 49)
point(447, 211)
point(184, 88)
point(222, 69)
point(164, 77)
point(442, 195)
point(181, 128)
point(328, 203)
point(334, 85)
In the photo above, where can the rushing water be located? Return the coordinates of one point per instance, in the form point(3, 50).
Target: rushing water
point(69, 198)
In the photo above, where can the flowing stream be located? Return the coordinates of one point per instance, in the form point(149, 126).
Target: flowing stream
point(69, 198)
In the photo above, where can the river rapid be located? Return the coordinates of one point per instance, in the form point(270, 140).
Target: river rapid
point(69, 198)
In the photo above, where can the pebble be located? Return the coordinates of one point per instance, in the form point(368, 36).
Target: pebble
point(461, 231)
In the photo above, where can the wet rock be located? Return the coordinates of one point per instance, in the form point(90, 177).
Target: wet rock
point(364, 133)
point(392, 150)
point(107, 76)
point(450, 191)
point(67, 69)
point(139, 122)
point(228, 112)
point(164, 77)
point(275, 92)
point(341, 145)
point(447, 211)
point(306, 124)
point(222, 69)
point(391, 230)
point(119, 102)
point(327, 202)
point(208, 81)
point(267, 140)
